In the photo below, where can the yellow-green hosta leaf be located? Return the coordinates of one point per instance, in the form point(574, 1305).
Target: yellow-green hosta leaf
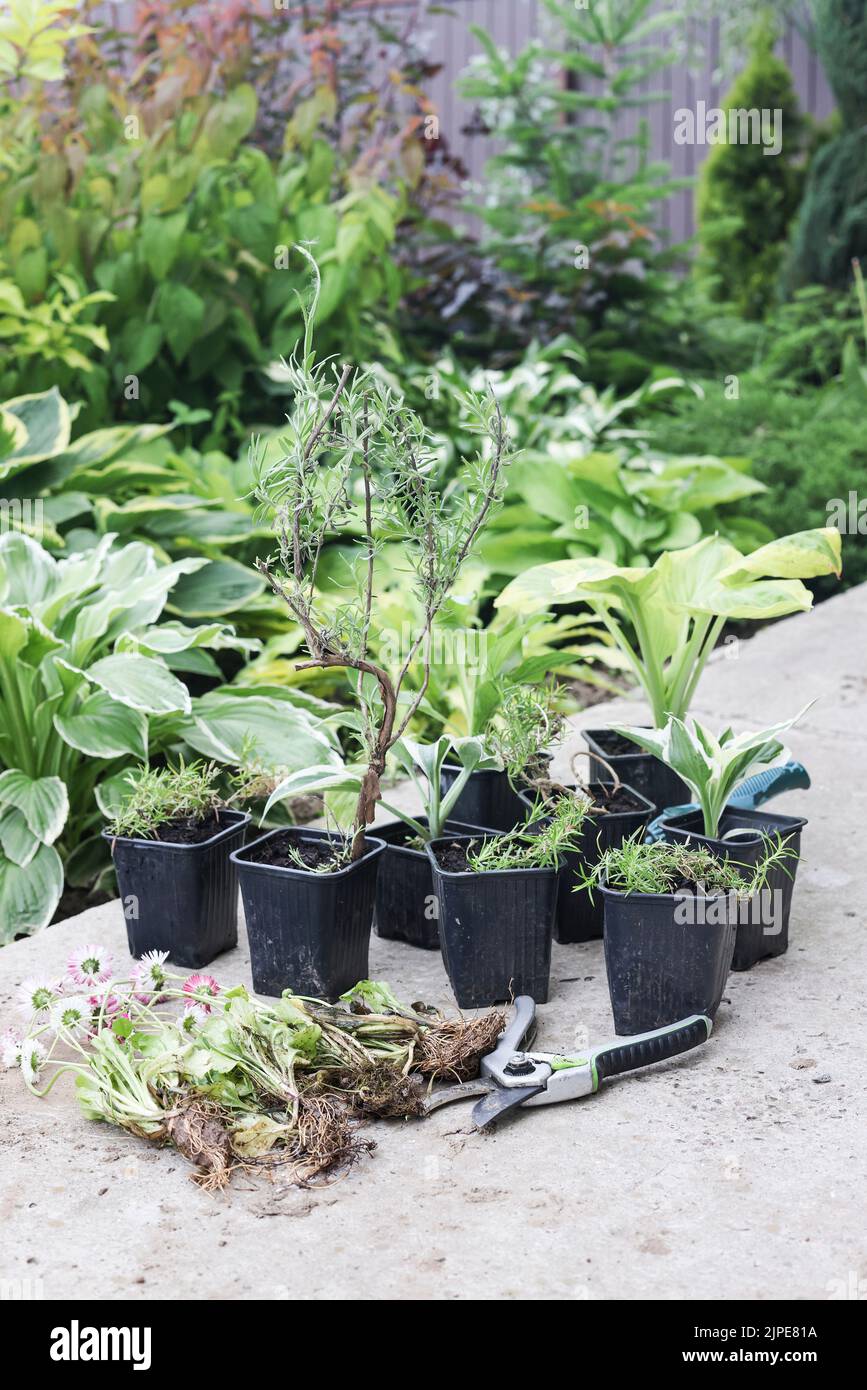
point(42, 801)
point(804, 555)
point(29, 897)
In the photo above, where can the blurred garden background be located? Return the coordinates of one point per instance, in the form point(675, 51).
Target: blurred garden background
point(495, 192)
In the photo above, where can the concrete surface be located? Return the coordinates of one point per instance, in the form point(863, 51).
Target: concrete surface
point(736, 1172)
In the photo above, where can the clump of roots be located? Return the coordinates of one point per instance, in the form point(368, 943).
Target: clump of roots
point(321, 1138)
point(453, 1047)
point(198, 1131)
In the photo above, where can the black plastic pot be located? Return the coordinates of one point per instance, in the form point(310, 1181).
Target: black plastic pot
point(495, 930)
point(768, 934)
point(487, 799)
point(661, 969)
point(185, 896)
point(642, 771)
point(405, 899)
point(580, 917)
point(308, 932)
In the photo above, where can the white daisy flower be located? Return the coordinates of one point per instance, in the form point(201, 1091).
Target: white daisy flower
point(32, 1057)
point(194, 1016)
point(150, 976)
point(36, 996)
point(73, 1016)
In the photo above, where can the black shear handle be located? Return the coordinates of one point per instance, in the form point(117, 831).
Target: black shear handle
point(646, 1048)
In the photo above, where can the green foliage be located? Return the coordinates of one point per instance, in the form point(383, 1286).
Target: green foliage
point(712, 767)
point(166, 794)
point(809, 449)
point(539, 843)
point(667, 618)
point(660, 867)
point(747, 197)
point(52, 341)
point(568, 204)
point(33, 39)
point(831, 228)
point(89, 689)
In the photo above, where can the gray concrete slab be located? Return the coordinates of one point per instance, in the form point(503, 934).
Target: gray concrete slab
point(735, 1172)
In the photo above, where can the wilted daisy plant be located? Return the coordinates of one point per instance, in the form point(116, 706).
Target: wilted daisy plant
point(230, 1081)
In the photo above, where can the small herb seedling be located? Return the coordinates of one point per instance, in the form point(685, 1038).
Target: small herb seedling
point(538, 844)
point(160, 795)
point(637, 866)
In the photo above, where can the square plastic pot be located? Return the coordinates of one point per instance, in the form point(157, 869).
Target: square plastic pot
point(405, 899)
point(580, 917)
point(495, 930)
point(661, 969)
point(308, 932)
point(642, 771)
point(488, 798)
point(185, 896)
point(768, 934)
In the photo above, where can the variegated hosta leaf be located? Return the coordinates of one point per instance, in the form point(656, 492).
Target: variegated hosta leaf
point(29, 896)
point(42, 801)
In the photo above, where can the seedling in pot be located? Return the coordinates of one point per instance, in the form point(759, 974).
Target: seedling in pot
point(663, 868)
point(345, 427)
point(712, 767)
point(523, 730)
point(538, 844)
point(170, 804)
point(171, 841)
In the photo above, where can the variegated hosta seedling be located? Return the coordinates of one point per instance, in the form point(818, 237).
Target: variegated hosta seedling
point(422, 763)
point(712, 767)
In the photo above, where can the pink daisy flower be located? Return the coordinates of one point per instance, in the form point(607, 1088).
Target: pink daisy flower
point(90, 965)
point(199, 989)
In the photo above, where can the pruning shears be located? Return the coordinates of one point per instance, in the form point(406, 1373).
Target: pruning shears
point(752, 793)
point(510, 1076)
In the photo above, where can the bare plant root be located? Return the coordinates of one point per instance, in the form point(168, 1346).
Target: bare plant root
point(453, 1047)
point(381, 1091)
point(199, 1133)
point(323, 1140)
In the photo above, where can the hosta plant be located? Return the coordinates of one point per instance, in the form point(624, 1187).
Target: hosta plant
point(667, 617)
point(89, 687)
point(712, 766)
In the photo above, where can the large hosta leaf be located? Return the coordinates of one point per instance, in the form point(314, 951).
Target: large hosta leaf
point(220, 586)
point(140, 683)
point(254, 729)
point(16, 838)
point(45, 416)
point(42, 801)
point(104, 728)
point(29, 897)
point(28, 574)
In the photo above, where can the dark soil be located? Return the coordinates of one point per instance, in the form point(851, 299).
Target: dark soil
point(606, 801)
point(315, 854)
point(615, 744)
point(452, 858)
point(190, 830)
